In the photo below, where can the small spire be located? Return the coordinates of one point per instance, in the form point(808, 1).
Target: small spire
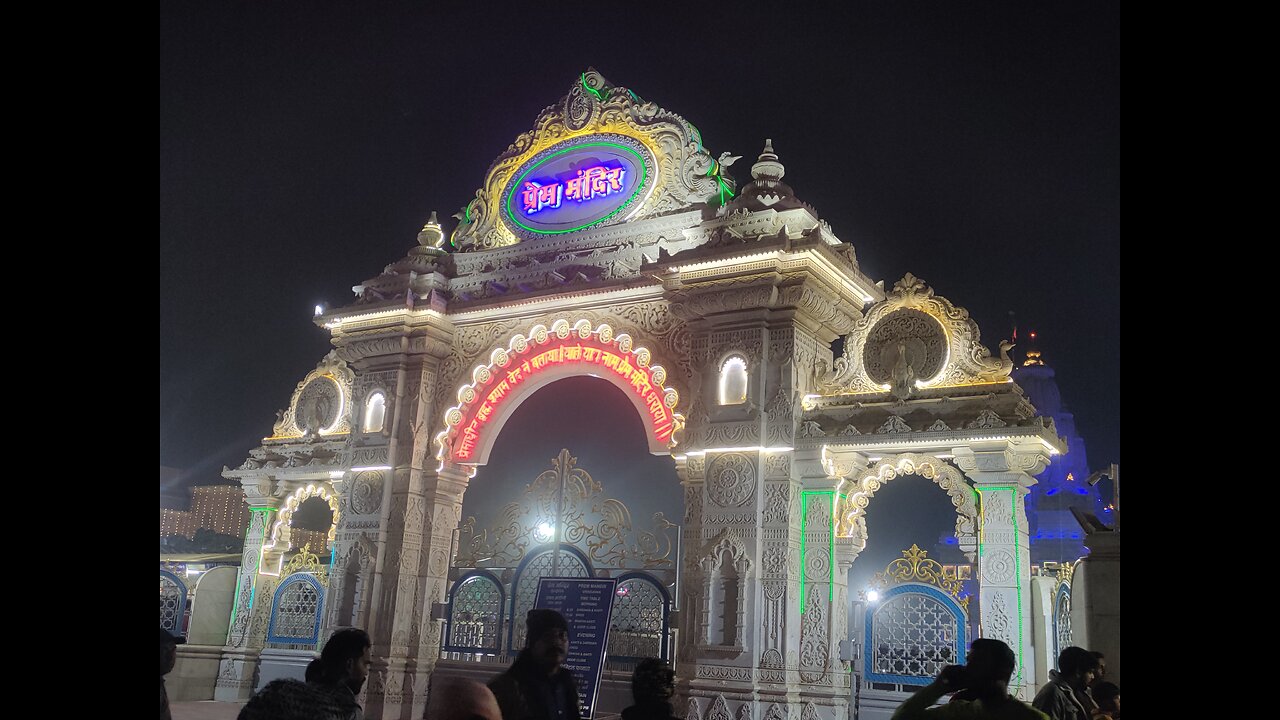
point(767, 167)
point(431, 235)
point(1033, 353)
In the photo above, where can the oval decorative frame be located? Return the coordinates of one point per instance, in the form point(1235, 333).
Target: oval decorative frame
point(620, 145)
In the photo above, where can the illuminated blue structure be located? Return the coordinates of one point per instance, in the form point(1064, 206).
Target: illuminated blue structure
point(1055, 534)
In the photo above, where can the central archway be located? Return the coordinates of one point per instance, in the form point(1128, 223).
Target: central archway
point(531, 362)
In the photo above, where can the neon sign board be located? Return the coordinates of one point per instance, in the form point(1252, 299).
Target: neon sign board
point(483, 400)
point(576, 184)
point(599, 181)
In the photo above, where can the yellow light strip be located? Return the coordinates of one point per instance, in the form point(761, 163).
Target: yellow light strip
point(823, 263)
point(1052, 450)
point(399, 311)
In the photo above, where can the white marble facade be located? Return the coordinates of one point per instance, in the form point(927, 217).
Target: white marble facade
point(714, 306)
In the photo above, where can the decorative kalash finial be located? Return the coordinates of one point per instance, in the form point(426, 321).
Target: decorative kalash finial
point(432, 235)
point(767, 169)
point(1033, 353)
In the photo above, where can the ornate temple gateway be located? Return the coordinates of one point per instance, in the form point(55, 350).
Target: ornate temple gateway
point(608, 241)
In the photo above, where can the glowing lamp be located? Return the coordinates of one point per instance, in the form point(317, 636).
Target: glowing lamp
point(544, 531)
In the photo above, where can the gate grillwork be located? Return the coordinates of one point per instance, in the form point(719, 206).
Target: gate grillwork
point(639, 621)
point(597, 540)
point(914, 635)
point(298, 603)
point(527, 586)
point(475, 612)
point(173, 602)
point(919, 625)
point(1062, 609)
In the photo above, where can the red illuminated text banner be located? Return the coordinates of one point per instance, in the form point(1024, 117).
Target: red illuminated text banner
point(504, 381)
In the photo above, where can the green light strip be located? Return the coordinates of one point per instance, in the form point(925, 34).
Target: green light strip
point(590, 89)
point(644, 179)
point(240, 576)
point(831, 550)
point(804, 541)
point(1017, 583)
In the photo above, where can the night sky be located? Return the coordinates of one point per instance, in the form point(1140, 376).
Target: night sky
point(302, 145)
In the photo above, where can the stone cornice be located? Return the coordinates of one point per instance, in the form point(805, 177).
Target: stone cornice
point(1034, 439)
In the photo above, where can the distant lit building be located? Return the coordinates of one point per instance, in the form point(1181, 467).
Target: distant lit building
point(313, 541)
point(220, 508)
point(177, 522)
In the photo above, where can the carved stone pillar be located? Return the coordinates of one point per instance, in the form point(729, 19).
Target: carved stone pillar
point(442, 493)
point(392, 621)
point(721, 578)
point(426, 506)
point(1003, 474)
point(244, 637)
point(824, 678)
point(779, 621)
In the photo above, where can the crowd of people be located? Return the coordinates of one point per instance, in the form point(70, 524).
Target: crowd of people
point(537, 686)
point(1077, 690)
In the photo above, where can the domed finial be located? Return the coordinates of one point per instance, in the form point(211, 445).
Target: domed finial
point(432, 235)
point(767, 167)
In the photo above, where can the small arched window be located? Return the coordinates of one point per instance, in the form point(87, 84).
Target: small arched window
point(733, 381)
point(375, 412)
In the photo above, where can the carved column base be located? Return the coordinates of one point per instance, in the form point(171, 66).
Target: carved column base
point(397, 690)
point(237, 672)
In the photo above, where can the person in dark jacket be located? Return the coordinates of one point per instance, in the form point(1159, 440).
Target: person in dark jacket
point(537, 686)
point(1066, 695)
point(652, 685)
point(332, 683)
point(982, 688)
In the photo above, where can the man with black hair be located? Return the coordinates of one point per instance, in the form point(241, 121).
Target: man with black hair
point(536, 686)
point(1107, 695)
point(652, 686)
point(333, 681)
point(1066, 696)
point(344, 661)
point(983, 686)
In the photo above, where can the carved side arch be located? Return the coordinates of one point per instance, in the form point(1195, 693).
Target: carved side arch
point(280, 530)
point(850, 516)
